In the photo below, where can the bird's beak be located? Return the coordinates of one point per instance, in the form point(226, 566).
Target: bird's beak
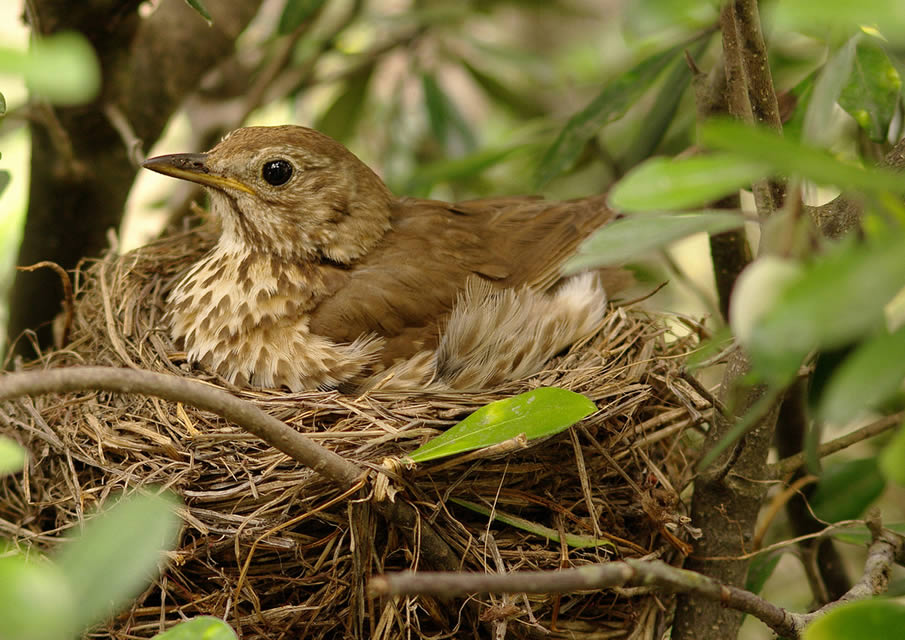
point(193, 167)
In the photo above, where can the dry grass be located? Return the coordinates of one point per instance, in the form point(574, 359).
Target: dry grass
point(308, 579)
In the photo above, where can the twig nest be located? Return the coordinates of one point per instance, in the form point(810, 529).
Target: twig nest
point(613, 479)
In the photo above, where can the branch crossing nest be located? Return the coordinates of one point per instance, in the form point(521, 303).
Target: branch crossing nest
point(310, 565)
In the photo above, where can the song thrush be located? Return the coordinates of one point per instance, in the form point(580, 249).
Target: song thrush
point(322, 277)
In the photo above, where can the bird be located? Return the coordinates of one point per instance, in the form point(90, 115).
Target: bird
point(322, 278)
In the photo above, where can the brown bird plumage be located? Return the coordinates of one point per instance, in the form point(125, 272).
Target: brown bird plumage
point(323, 277)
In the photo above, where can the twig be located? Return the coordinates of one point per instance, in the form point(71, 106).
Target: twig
point(886, 549)
point(776, 504)
point(68, 298)
point(240, 412)
point(790, 464)
point(120, 123)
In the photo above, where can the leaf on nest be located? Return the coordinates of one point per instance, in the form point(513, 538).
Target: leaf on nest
point(575, 541)
point(537, 414)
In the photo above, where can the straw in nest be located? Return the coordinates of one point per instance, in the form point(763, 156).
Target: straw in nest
point(616, 476)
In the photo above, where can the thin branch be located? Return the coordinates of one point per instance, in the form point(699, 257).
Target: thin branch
point(790, 464)
point(240, 412)
point(176, 389)
point(68, 297)
point(886, 549)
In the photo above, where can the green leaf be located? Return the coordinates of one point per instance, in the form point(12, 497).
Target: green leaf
point(61, 68)
point(858, 621)
point(760, 570)
point(575, 541)
point(469, 166)
point(201, 9)
point(36, 602)
point(680, 183)
point(446, 121)
point(200, 628)
point(793, 129)
point(524, 106)
point(872, 93)
point(2, 105)
point(831, 18)
point(5, 177)
point(12, 455)
point(609, 105)
point(630, 237)
point(861, 535)
point(847, 489)
point(652, 18)
point(835, 301)
point(791, 158)
point(295, 13)
point(826, 92)
point(537, 414)
point(892, 458)
point(341, 119)
point(118, 554)
point(662, 113)
point(867, 377)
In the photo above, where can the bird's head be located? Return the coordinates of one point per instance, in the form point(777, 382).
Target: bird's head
point(289, 191)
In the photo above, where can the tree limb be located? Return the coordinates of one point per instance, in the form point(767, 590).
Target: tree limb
point(726, 505)
point(788, 465)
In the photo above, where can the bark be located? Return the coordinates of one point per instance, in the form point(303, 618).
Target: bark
point(81, 170)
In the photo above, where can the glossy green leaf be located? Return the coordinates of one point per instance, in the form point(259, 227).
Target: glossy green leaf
point(867, 377)
point(835, 301)
point(198, 6)
point(61, 68)
point(295, 13)
point(341, 118)
point(847, 489)
point(791, 158)
point(12, 455)
point(872, 93)
point(679, 183)
point(537, 414)
point(628, 238)
point(117, 554)
point(575, 541)
point(609, 105)
point(860, 534)
point(892, 459)
point(447, 123)
point(36, 602)
point(828, 86)
point(859, 621)
point(761, 568)
point(201, 628)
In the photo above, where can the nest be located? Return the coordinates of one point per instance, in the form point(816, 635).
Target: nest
point(616, 476)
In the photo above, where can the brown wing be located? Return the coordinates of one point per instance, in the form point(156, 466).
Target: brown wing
point(410, 281)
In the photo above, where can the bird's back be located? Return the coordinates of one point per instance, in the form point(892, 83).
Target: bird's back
point(407, 285)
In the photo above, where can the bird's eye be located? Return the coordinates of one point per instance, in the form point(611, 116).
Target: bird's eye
point(277, 172)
